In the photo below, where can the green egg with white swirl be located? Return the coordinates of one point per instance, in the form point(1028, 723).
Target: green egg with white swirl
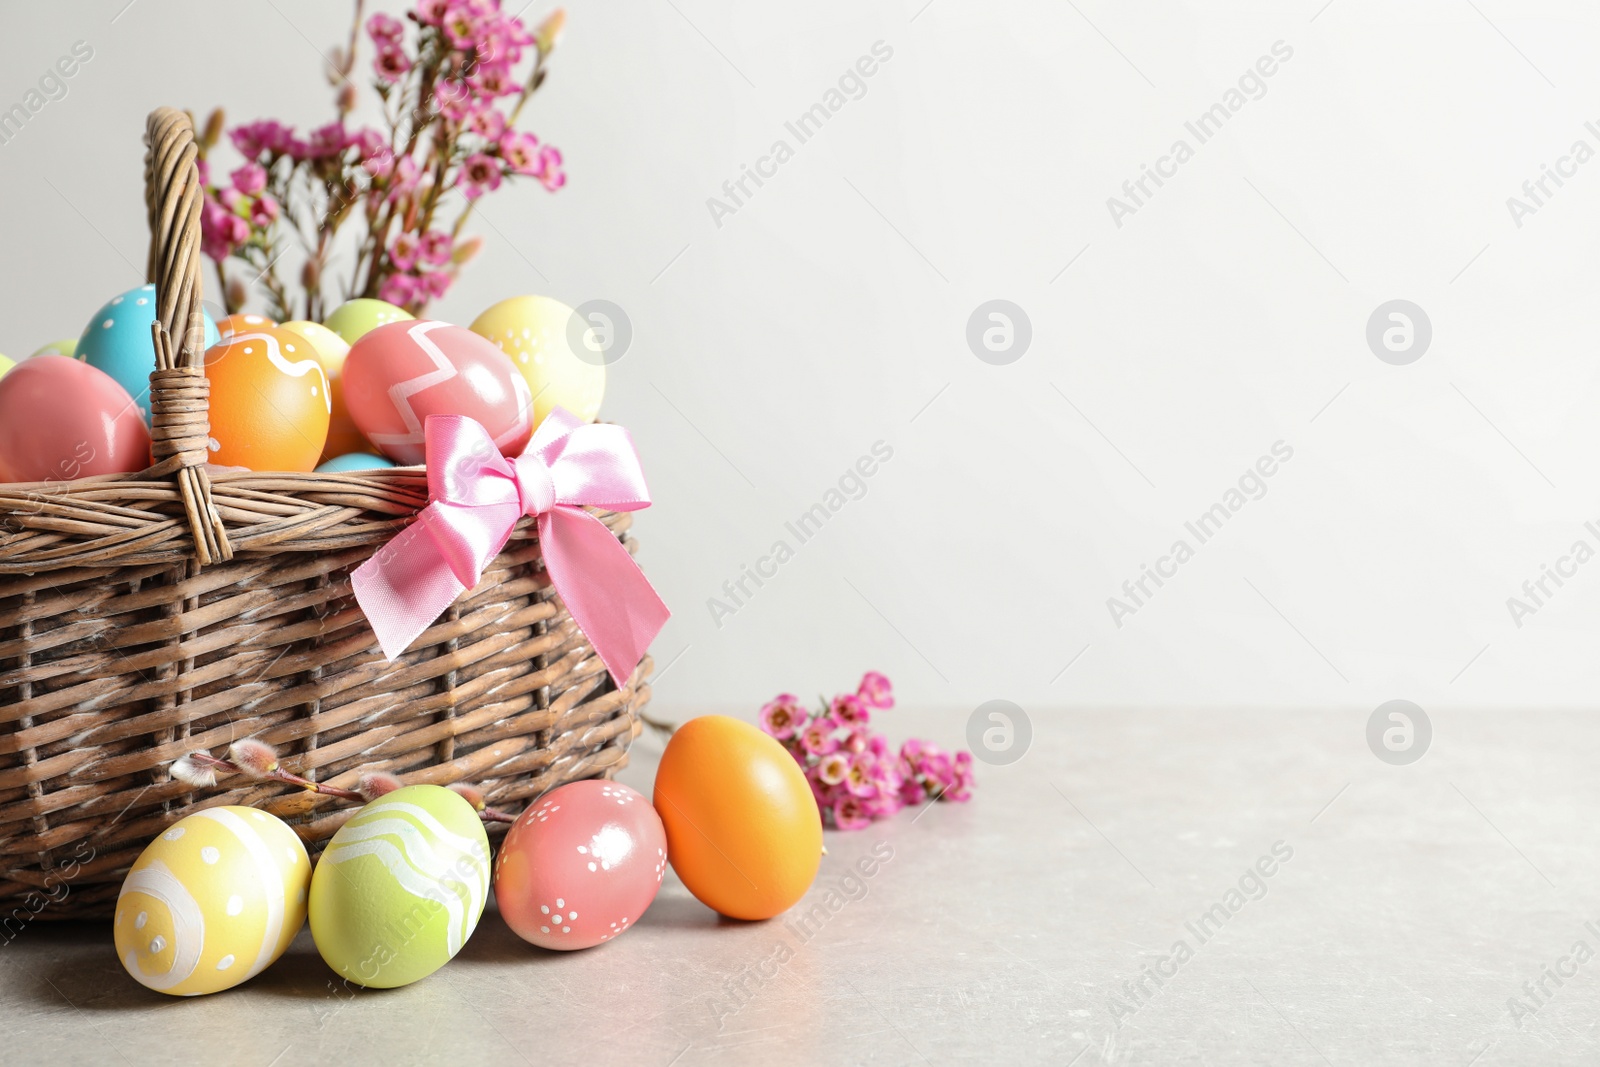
point(401, 887)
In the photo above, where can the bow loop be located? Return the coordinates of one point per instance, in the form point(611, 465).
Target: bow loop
point(476, 497)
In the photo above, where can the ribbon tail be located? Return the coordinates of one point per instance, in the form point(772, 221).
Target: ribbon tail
point(607, 595)
point(406, 585)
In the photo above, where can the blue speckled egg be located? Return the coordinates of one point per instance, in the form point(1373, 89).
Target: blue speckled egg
point(354, 461)
point(117, 341)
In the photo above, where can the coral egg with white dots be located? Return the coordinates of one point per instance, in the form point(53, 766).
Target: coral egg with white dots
point(212, 902)
point(270, 403)
point(581, 865)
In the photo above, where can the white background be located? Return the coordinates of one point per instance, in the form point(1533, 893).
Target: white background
point(830, 312)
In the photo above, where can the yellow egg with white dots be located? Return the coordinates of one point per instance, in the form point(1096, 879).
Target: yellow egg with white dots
point(538, 333)
point(212, 902)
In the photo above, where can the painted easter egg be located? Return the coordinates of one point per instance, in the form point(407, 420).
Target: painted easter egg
point(61, 419)
point(354, 461)
point(399, 374)
point(580, 866)
point(331, 350)
point(354, 319)
point(117, 341)
point(212, 902)
point(401, 886)
point(743, 830)
point(242, 322)
point(536, 332)
point(67, 347)
point(269, 401)
point(6, 364)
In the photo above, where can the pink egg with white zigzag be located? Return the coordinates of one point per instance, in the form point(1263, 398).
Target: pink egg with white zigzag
point(581, 865)
point(398, 374)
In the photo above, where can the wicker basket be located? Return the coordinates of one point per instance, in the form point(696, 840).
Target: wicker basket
point(147, 615)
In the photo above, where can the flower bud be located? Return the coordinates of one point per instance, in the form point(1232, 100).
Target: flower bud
point(548, 35)
point(255, 758)
point(311, 276)
point(213, 130)
point(347, 96)
point(237, 293)
point(467, 250)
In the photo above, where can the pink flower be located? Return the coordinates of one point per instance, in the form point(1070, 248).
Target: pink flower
point(938, 773)
point(398, 289)
point(859, 778)
point(911, 791)
point(875, 690)
point(406, 178)
point(782, 716)
point(551, 176)
point(264, 212)
point(488, 124)
point(455, 101)
point(385, 29)
point(479, 174)
point(250, 179)
point(436, 247)
point(403, 251)
point(328, 141)
point(817, 738)
point(855, 742)
point(233, 200)
point(961, 788)
point(460, 26)
point(433, 12)
point(434, 283)
point(850, 814)
point(264, 137)
point(849, 710)
point(221, 231)
point(391, 64)
point(833, 768)
point(494, 80)
point(520, 151)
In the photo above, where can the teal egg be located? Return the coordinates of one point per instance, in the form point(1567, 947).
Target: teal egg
point(354, 461)
point(117, 341)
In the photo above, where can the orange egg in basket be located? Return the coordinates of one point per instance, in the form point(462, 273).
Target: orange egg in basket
point(270, 402)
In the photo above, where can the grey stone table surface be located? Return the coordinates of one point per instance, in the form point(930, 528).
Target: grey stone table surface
point(1225, 887)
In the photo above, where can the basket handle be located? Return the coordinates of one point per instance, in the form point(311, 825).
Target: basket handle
point(179, 391)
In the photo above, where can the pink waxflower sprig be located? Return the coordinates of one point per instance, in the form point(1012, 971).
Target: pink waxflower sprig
point(854, 775)
point(452, 85)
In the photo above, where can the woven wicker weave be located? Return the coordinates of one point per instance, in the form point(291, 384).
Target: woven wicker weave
point(147, 615)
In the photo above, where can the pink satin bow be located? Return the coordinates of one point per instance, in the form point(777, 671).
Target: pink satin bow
point(476, 496)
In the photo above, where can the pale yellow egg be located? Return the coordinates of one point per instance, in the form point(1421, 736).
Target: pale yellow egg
point(537, 333)
point(212, 902)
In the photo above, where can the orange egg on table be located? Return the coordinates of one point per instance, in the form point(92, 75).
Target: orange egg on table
point(330, 350)
point(242, 322)
point(270, 402)
point(743, 830)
